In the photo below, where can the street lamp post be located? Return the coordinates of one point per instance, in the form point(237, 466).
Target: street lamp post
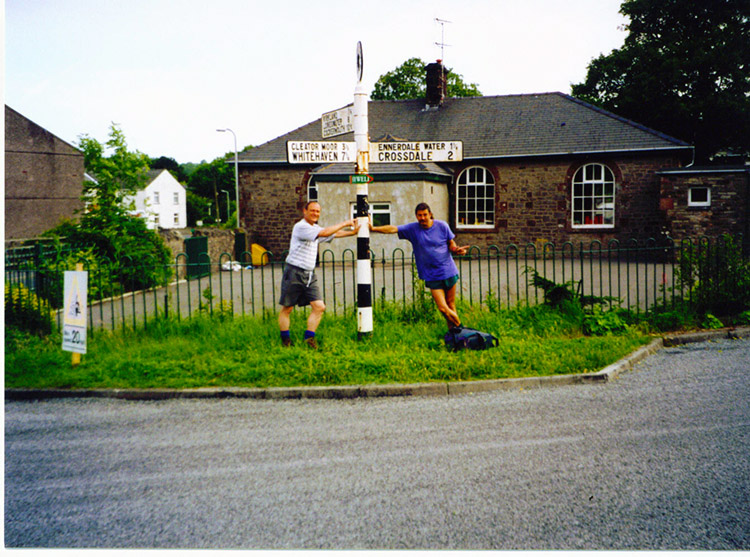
point(236, 175)
point(228, 212)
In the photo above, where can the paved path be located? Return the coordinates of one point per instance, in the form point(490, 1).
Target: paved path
point(657, 459)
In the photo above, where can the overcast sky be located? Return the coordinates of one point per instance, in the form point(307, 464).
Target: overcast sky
point(170, 73)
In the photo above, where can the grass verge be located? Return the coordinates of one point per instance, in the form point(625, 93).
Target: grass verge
point(246, 352)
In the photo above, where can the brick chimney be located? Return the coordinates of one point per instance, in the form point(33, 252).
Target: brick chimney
point(437, 84)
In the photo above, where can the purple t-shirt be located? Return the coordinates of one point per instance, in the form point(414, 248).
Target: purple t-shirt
point(434, 261)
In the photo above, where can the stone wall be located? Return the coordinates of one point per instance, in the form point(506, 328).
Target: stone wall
point(532, 200)
point(271, 199)
point(220, 243)
point(728, 213)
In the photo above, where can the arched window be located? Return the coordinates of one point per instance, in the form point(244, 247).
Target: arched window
point(475, 198)
point(593, 197)
point(312, 190)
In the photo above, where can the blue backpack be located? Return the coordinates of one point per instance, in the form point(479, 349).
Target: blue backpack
point(469, 339)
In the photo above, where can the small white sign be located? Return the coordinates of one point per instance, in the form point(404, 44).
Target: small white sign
point(321, 152)
point(75, 291)
point(417, 151)
point(337, 122)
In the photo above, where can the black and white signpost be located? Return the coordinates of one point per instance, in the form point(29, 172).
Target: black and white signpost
point(361, 151)
point(361, 178)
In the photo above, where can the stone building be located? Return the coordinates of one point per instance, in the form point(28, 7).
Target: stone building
point(535, 168)
point(43, 178)
point(706, 201)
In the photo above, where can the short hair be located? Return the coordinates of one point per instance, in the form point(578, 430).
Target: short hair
point(422, 207)
point(307, 205)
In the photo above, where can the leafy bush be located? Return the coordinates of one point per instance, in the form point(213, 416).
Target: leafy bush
point(27, 311)
point(717, 276)
point(599, 322)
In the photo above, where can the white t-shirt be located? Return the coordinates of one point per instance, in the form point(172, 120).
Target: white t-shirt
point(303, 247)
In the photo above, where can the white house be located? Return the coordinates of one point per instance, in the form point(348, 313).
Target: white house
point(162, 202)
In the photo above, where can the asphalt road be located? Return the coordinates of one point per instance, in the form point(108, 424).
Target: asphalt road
point(658, 459)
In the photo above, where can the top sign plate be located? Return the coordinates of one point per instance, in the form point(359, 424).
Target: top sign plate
point(337, 122)
point(417, 151)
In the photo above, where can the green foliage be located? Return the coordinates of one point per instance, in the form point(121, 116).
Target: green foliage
point(711, 322)
point(222, 310)
point(27, 311)
point(600, 322)
point(206, 183)
point(682, 70)
point(138, 255)
point(716, 275)
point(676, 319)
point(246, 352)
point(586, 310)
point(168, 163)
point(408, 82)
point(52, 274)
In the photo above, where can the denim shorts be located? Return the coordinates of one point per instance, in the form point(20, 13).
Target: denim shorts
point(445, 284)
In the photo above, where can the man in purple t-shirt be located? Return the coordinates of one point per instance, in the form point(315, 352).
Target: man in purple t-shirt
point(432, 242)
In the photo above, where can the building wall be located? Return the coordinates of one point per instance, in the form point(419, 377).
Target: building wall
point(533, 202)
point(271, 201)
point(336, 199)
point(43, 178)
point(532, 197)
point(728, 213)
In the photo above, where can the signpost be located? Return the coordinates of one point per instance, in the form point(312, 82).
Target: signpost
point(417, 151)
point(75, 291)
point(337, 122)
point(320, 152)
point(361, 152)
point(361, 138)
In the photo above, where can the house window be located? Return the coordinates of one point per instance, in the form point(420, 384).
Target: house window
point(380, 213)
point(593, 200)
point(475, 198)
point(699, 196)
point(157, 220)
point(176, 219)
point(312, 191)
point(156, 198)
point(176, 198)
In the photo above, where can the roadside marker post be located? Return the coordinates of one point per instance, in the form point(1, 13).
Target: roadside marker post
point(362, 179)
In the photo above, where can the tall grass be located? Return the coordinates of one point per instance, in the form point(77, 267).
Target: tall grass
point(247, 352)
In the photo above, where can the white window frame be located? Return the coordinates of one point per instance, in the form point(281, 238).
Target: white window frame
point(156, 198)
point(592, 194)
point(703, 203)
point(176, 218)
point(376, 208)
point(176, 198)
point(470, 206)
point(312, 187)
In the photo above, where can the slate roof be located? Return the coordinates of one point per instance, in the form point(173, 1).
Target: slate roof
point(541, 124)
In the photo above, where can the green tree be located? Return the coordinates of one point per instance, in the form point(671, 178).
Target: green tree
point(168, 163)
point(684, 69)
point(207, 181)
point(106, 225)
point(408, 82)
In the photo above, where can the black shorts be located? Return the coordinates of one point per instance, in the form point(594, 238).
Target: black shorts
point(298, 287)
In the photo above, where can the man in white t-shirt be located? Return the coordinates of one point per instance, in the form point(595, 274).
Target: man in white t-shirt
point(299, 285)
